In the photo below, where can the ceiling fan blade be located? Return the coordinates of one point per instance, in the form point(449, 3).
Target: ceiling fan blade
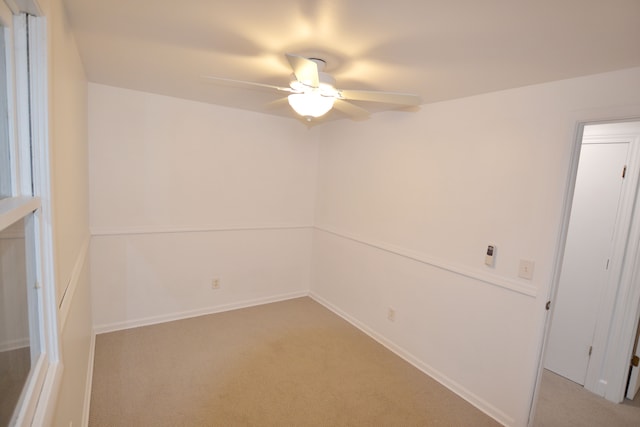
point(386, 97)
point(278, 103)
point(351, 110)
point(305, 70)
point(247, 84)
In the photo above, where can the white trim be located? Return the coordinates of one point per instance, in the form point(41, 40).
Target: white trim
point(609, 139)
point(39, 116)
point(479, 275)
point(45, 409)
point(16, 208)
point(452, 385)
point(42, 177)
point(561, 241)
point(153, 320)
point(482, 276)
point(34, 294)
point(120, 231)
point(27, 404)
point(70, 290)
point(23, 121)
point(13, 34)
point(625, 323)
point(89, 382)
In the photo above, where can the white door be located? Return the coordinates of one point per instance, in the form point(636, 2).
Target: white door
point(586, 258)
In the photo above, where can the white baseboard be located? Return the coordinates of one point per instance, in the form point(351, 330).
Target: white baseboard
point(89, 383)
point(452, 385)
point(135, 323)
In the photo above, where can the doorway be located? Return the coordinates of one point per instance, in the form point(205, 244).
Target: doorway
point(597, 300)
point(593, 230)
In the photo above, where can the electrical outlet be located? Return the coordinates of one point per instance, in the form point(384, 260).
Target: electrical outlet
point(391, 314)
point(215, 283)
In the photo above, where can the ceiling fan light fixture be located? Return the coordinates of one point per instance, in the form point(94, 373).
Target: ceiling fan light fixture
point(313, 92)
point(310, 104)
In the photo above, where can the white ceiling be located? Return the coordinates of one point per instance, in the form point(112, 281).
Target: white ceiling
point(438, 49)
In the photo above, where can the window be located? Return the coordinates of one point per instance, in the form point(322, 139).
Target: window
point(16, 355)
point(28, 332)
point(5, 141)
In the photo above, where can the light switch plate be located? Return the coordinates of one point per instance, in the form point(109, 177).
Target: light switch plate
point(525, 270)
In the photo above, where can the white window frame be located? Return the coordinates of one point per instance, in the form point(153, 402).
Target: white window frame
point(28, 106)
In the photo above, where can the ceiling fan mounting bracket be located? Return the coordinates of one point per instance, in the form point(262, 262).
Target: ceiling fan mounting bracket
point(321, 63)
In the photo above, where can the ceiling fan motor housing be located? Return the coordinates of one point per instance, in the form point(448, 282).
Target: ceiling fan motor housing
point(326, 86)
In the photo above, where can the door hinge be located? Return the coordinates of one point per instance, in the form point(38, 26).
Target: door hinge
point(624, 171)
point(37, 285)
point(590, 350)
point(548, 305)
point(635, 361)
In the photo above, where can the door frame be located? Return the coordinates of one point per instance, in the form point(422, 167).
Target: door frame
point(605, 376)
point(607, 286)
point(625, 321)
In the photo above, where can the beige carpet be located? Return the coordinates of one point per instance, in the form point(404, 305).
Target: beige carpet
point(291, 363)
point(563, 403)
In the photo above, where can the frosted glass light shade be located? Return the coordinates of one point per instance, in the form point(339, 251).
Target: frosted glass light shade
point(311, 104)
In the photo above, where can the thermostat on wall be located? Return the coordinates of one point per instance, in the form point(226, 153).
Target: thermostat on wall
point(490, 257)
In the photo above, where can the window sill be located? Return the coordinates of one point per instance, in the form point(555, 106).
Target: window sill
point(14, 208)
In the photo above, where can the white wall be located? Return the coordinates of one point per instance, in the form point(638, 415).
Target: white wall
point(141, 279)
point(184, 192)
point(407, 204)
point(68, 146)
point(68, 133)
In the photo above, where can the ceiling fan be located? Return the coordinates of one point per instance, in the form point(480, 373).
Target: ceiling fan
point(312, 92)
